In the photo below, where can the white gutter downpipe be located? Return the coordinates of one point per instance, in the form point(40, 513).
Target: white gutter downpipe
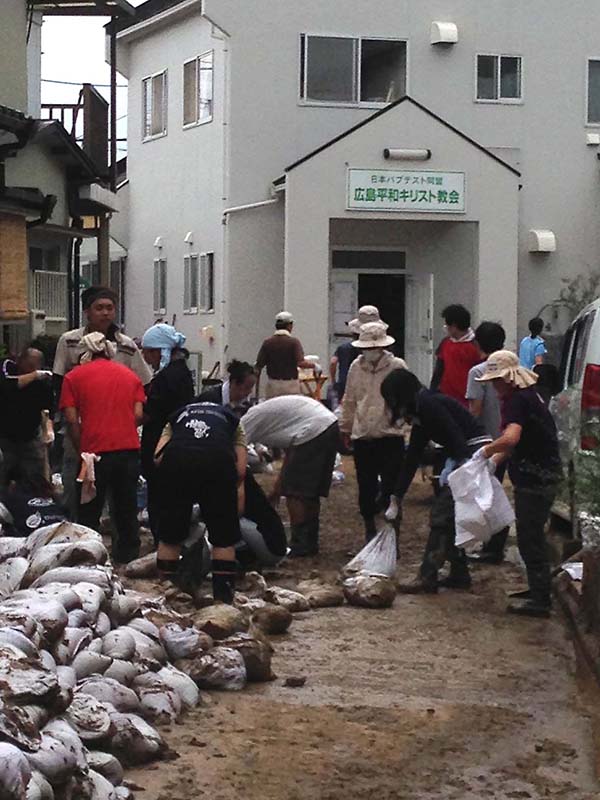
point(247, 206)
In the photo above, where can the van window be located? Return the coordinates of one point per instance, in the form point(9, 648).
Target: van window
point(564, 359)
point(582, 338)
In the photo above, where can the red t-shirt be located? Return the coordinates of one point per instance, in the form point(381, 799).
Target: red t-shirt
point(104, 393)
point(458, 358)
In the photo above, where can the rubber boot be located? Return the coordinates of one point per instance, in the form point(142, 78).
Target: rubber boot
point(539, 602)
point(223, 580)
point(313, 536)
point(420, 585)
point(458, 577)
point(300, 545)
point(370, 529)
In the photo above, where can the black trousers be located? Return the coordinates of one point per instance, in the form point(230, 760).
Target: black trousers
point(377, 459)
point(116, 472)
point(440, 545)
point(497, 543)
point(532, 509)
point(260, 511)
point(207, 477)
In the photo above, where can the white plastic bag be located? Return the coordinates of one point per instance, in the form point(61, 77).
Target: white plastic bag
point(481, 507)
point(378, 557)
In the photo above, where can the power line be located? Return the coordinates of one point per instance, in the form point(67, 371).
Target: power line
point(77, 83)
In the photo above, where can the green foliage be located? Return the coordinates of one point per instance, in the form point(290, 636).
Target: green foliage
point(579, 292)
point(587, 472)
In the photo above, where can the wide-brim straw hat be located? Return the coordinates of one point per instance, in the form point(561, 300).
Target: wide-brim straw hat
point(504, 365)
point(365, 314)
point(372, 335)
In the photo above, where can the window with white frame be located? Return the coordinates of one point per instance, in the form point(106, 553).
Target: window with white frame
point(499, 78)
point(593, 91)
point(160, 285)
point(190, 284)
point(198, 81)
point(154, 105)
point(207, 282)
point(337, 69)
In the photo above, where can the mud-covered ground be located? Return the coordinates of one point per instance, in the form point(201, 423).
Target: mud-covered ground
point(438, 698)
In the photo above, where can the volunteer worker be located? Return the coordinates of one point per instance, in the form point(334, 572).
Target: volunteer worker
point(309, 433)
point(438, 418)
point(201, 458)
point(530, 442)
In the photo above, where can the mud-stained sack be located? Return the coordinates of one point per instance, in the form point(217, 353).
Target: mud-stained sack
point(378, 557)
point(481, 507)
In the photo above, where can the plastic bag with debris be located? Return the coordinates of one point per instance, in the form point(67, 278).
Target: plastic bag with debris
point(378, 557)
point(481, 507)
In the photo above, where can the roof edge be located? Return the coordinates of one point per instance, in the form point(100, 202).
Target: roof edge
point(405, 99)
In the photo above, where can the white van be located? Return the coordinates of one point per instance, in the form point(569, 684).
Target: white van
point(576, 408)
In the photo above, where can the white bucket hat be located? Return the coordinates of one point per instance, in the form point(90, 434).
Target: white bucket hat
point(284, 316)
point(373, 334)
point(365, 314)
point(504, 365)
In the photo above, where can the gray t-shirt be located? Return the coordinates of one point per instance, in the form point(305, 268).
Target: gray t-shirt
point(490, 418)
point(287, 421)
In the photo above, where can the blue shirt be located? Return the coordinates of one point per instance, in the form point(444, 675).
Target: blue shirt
point(531, 348)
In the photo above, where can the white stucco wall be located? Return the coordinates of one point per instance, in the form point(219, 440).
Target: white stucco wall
point(175, 183)
point(36, 168)
point(487, 261)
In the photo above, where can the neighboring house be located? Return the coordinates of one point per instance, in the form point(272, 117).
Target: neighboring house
point(258, 176)
point(53, 192)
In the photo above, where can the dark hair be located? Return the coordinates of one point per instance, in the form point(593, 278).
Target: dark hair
point(399, 390)
point(536, 326)
point(93, 293)
point(457, 315)
point(239, 370)
point(490, 337)
point(280, 325)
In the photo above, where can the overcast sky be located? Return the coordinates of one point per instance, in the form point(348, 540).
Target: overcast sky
point(73, 52)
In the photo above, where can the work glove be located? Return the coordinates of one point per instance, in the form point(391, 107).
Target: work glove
point(394, 510)
point(449, 467)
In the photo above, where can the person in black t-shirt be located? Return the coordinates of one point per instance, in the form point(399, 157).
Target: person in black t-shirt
point(439, 418)
point(201, 459)
point(530, 442)
point(32, 504)
point(25, 391)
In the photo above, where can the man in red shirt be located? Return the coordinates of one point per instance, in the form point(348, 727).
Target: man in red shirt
point(457, 353)
point(103, 405)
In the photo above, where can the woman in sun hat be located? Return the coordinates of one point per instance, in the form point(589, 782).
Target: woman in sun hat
point(529, 441)
point(378, 445)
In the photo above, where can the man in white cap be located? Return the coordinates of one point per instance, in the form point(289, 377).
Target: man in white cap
point(378, 445)
point(281, 355)
point(345, 354)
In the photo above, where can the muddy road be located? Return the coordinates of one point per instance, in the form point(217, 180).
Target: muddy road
point(439, 698)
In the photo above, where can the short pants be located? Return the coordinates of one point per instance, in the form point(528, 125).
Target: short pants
point(308, 467)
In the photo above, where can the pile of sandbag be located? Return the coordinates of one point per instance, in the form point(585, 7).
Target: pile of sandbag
point(88, 669)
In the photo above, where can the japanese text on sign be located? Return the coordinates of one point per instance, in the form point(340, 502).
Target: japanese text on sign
point(403, 190)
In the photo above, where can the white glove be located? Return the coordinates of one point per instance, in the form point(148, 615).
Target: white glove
point(42, 374)
point(393, 510)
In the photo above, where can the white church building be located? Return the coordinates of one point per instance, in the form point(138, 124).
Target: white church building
point(318, 156)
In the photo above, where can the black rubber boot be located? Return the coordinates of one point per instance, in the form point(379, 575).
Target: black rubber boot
point(313, 536)
point(458, 578)
point(370, 529)
point(539, 601)
point(223, 580)
point(301, 544)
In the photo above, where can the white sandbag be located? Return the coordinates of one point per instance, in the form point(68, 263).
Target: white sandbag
point(182, 684)
point(18, 639)
point(119, 644)
point(12, 573)
point(481, 507)
point(99, 576)
point(220, 668)
point(39, 788)
point(91, 598)
point(160, 705)
point(134, 740)
point(89, 662)
point(60, 532)
point(182, 642)
point(107, 765)
point(60, 729)
point(15, 773)
point(89, 717)
point(12, 547)
point(378, 557)
point(103, 788)
point(64, 554)
point(110, 691)
point(103, 624)
point(122, 671)
point(293, 601)
point(55, 761)
point(49, 613)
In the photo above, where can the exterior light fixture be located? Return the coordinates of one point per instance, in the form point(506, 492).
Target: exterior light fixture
point(404, 154)
point(189, 237)
point(158, 242)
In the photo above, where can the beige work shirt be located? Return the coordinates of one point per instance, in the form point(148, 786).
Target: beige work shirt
point(68, 353)
point(364, 413)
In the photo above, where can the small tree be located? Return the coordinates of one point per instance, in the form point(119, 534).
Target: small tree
point(579, 292)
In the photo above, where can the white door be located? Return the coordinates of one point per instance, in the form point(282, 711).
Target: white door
point(418, 337)
point(343, 308)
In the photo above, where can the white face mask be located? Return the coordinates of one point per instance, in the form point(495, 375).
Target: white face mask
point(372, 356)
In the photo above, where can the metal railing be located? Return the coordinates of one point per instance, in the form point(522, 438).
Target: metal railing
point(49, 293)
